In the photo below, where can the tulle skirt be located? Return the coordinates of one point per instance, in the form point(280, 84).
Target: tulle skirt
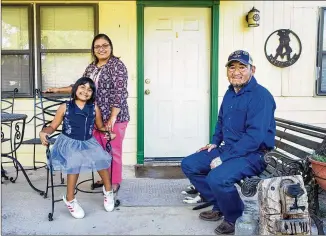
point(73, 156)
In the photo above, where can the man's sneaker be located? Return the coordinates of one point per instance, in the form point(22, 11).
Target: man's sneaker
point(74, 208)
point(108, 200)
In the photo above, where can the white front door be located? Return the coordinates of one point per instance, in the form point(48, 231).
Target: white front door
point(177, 77)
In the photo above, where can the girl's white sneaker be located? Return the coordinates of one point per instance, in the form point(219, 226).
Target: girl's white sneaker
point(108, 200)
point(74, 208)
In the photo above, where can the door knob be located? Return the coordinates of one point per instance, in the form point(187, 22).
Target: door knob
point(147, 81)
point(147, 91)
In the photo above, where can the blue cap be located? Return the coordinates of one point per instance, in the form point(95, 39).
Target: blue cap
point(240, 56)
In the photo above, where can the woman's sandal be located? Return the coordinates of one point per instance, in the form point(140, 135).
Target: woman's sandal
point(118, 187)
point(98, 184)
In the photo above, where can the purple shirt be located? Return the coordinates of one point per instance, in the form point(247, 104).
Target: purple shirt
point(111, 88)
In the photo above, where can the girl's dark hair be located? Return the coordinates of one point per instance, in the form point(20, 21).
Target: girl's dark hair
point(82, 81)
point(101, 36)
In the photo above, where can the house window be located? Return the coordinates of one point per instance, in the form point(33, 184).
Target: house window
point(17, 49)
point(65, 34)
point(321, 60)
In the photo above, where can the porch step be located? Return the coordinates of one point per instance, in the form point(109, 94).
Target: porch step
point(159, 170)
point(162, 160)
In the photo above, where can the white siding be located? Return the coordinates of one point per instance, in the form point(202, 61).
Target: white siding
point(293, 87)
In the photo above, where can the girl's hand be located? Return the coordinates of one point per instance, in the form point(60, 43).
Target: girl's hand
point(111, 123)
point(43, 137)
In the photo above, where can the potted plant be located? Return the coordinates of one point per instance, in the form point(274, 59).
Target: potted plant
point(318, 165)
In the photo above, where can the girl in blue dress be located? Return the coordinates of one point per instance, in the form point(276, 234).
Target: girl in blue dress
point(75, 149)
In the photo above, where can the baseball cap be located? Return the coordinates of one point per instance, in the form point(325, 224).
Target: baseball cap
point(240, 56)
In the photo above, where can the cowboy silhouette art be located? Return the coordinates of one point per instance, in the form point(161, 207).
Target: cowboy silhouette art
point(284, 45)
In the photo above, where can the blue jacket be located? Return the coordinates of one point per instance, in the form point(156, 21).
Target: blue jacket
point(245, 122)
point(78, 124)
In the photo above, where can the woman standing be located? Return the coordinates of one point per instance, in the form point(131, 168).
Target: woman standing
point(111, 79)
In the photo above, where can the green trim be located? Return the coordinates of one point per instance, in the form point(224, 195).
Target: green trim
point(214, 68)
point(141, 4)
point(140, 84)
point(185, 3)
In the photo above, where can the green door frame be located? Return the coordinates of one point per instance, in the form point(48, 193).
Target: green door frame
point(141, 4)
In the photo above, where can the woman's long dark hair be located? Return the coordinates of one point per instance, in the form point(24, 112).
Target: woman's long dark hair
point(82, 81)
point(101, 36)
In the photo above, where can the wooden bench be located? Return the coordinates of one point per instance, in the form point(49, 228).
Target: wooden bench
point(294, 142)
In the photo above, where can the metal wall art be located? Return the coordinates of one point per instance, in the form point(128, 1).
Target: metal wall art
point(283, 48)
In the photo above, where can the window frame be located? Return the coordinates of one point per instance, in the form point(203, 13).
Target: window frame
point(29, 52)
point(38, 34)
point(320, 51)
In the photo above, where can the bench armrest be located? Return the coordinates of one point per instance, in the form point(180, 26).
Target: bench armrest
point(249, 186)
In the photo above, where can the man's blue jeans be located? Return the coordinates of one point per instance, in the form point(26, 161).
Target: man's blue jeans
point(217, 185)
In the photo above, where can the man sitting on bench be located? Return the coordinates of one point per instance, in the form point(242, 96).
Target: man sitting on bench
point(247, 127)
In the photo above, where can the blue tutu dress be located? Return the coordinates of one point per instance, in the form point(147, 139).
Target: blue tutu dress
point(76, 150)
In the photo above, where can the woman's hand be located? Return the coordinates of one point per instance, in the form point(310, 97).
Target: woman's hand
point(111, 123)
point(43, 137)
point(110, 136)
point(52, 90)
point(210, 147)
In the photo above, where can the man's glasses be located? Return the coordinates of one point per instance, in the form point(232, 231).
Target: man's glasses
point(241, 69)
point(104, 46)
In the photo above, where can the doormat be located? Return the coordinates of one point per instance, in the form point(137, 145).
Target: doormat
point(152, 192)
point(159, 172)
point(162, 192)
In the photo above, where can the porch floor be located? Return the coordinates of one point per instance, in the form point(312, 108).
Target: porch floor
point(148, 207)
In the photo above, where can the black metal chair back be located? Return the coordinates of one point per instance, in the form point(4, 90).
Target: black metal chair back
point(45, 108)
point(8, 100)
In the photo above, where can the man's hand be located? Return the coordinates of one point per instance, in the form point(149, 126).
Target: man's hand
point(215, 162)
point(43, 138)
point(51, 90)
point(210, 147)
